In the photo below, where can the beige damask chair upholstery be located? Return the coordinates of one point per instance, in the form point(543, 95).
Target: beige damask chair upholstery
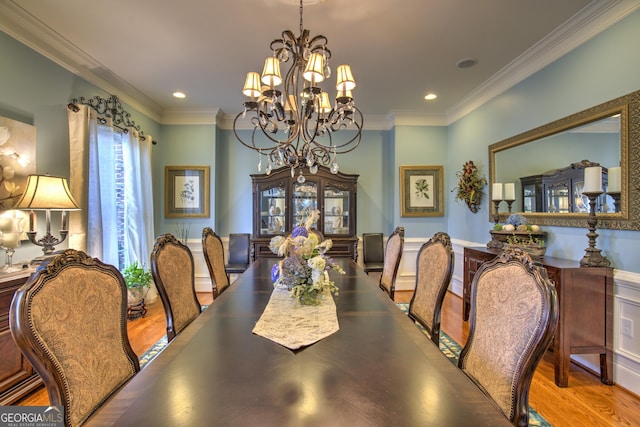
point(213, 251)
point(514, 313)
point(173, 271)
point(392, 256)
point(434, 267)
point(70, 321)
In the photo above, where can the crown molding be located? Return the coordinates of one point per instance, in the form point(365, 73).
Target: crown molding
point(590, 21)
point(190, 116)
point(593, 19)
point(22, 26)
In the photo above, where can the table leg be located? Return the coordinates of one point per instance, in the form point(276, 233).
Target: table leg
point(606, 368)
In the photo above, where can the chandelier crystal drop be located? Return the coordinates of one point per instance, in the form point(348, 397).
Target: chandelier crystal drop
point(292, 120)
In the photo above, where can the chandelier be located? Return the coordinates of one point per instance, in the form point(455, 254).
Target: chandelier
point(293, 124)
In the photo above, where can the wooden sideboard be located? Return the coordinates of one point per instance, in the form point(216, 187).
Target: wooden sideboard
point(585, 297)
point(17, 377)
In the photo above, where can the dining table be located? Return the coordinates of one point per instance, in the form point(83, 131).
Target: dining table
point(378, 369)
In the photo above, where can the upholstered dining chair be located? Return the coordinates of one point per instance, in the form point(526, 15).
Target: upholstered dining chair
point(70, 321)
point(514, 313)
point(392, 256)
point(173, 272)
point(434, 267)
point(372, 252)
point(213, 251)
point(238, 254)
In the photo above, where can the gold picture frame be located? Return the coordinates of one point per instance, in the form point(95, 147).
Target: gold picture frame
point(186, 191)
point(421, 191)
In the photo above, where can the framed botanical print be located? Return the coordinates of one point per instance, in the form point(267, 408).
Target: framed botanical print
point(421, 190)
point(186, 191)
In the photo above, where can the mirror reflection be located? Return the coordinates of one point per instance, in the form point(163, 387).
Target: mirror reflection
point(549, 174)
point(542, 170)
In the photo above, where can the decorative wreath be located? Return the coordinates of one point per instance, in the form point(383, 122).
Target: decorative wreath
point(470, 186)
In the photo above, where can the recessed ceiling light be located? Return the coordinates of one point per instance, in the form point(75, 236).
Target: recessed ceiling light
point(466, 63)
point(430, 96)
point(179, 95)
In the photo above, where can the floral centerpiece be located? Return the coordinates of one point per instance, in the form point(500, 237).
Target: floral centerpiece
point(305, 267)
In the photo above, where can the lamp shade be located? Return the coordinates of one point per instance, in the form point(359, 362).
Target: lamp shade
point(271, 72)
point(324, 105)
point(314, 71)
point(345, 80)
point(46, 192)
point(252, 85)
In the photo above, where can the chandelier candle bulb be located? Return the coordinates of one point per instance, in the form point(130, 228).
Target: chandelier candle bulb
point(592, 180)
point(615, 181)
point(509, 191)
point(496, 192)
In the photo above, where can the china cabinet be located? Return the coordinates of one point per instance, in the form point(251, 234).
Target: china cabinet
point(560, 191)
point(282, 201)
point(531, 193)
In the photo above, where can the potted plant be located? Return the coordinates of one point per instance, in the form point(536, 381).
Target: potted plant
point(137, 279)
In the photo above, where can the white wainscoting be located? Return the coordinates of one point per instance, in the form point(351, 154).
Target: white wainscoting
point(626, 310)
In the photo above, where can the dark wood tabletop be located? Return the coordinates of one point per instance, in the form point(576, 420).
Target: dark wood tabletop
point(377, 370)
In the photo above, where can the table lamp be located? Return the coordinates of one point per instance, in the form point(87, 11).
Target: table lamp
point(47, 193)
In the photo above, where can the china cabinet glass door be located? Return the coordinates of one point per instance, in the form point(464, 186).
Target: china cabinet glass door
point(336, 211)
point(273, 210)
point(305, 200)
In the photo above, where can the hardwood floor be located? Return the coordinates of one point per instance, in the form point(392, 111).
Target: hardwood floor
point(586, 402)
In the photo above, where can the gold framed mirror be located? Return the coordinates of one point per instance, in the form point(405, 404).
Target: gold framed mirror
point(586, 134)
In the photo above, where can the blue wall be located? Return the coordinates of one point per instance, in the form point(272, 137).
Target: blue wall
point(35, 90)
point(601, 69)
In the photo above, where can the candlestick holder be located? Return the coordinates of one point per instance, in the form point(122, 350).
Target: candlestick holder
point(592, 256)
point(509, 203)
point(496, 215)
point(49, 242)
point(616, 200)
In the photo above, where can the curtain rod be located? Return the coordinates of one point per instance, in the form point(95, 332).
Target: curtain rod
point(109, 108)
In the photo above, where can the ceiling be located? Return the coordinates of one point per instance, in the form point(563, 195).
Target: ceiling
point(144, 50)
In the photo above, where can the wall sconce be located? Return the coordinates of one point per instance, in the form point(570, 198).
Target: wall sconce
point(47, 193)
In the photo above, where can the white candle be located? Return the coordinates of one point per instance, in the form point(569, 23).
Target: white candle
point(510, 191)
point(64, 220)
point(32, 221)
point(592, 180)
point(615, 179)
point(496, 193)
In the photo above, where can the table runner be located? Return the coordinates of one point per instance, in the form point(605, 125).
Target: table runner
point(292, 325)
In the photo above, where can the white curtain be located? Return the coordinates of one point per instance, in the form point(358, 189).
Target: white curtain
point(94, 164)
point(139, 233)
